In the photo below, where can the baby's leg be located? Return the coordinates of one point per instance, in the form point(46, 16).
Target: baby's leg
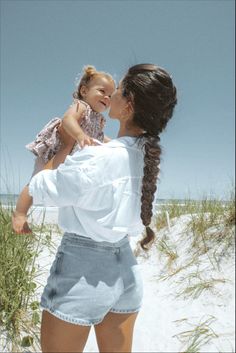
point(24, 202)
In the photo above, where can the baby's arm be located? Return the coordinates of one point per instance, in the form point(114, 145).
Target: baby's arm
point(70, 123)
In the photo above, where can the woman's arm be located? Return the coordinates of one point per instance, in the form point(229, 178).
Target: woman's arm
point(65, 185)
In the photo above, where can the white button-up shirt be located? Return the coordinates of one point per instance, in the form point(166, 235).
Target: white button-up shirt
point(97, 190)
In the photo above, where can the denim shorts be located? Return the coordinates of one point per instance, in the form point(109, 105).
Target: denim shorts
point(88, 279)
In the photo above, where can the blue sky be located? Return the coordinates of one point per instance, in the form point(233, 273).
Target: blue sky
point(45, 44)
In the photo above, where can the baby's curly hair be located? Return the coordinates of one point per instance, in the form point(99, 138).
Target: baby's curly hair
point(89, 73)
point(153, 96)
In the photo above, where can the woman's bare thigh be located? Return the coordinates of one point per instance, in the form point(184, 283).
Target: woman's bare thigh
point(115, 332)
point(60, 336)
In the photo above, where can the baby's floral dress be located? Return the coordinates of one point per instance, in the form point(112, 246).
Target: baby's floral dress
point(47, 142)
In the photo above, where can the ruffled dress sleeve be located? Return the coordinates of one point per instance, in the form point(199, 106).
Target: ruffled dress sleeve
point(47, 141)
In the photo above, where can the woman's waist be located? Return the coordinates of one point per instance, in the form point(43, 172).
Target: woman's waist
point(81, 240)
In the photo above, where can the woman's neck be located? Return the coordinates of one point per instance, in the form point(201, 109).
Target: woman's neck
point(132, 131)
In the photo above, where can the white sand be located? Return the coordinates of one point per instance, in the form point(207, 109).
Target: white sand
point(163, 315)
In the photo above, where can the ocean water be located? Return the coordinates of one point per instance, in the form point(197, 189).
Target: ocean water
point(10, 200)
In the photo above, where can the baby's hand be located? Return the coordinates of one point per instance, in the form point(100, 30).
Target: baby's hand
point(83, 140)
point(19, 223)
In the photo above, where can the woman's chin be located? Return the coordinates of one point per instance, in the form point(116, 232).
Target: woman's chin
point(111, 116)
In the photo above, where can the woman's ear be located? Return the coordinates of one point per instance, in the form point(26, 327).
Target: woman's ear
point(83, 91)
point(130, 108)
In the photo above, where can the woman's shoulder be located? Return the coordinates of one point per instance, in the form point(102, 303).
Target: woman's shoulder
point(107, 162)
point(118, 151)
point(114, 151)
point(125, 142)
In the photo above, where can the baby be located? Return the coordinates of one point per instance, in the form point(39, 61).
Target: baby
point(84, 123)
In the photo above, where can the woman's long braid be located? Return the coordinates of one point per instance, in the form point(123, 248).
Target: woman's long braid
point(153, 95)
point(151, 169)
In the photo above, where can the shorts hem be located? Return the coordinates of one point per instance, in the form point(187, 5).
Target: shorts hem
point(125, 311)
point(71, 320)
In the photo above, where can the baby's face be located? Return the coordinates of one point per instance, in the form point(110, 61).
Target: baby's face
point(98, 93)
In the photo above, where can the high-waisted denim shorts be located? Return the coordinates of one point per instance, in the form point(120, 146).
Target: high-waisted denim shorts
point(88, 279)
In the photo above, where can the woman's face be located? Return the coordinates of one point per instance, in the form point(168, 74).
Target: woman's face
point(118, 103)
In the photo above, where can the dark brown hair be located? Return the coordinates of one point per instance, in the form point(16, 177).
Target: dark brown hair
point(153, 95)
point(89, 73)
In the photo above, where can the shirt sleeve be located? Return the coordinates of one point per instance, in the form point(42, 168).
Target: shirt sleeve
point(67, 185)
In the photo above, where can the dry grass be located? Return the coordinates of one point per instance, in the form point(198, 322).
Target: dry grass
point(19, 308)
point(206, 242)
point(200, 335)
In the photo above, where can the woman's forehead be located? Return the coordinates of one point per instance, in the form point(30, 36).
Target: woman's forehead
point(120, 83)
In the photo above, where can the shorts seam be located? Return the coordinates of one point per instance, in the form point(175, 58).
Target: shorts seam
point(125, 311)
point(71, 320)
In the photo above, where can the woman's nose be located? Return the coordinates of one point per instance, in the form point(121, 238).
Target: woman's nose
point(108, 98)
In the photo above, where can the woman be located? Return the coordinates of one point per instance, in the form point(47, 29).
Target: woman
point(105, 194)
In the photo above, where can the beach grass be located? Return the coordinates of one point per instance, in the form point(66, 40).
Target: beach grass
point(193, 258)
point(201, 334)
point(217, 210)
point(196, 285)
point(210, 228)
point(19, 307)
point(213, 229)
point(174, 209)
point(168, 249)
